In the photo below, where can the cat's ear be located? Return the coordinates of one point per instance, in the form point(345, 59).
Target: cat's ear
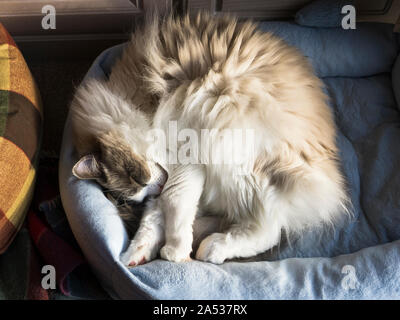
point(87, 168)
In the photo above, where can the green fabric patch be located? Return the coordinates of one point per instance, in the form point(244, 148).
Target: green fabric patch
point(4, 101)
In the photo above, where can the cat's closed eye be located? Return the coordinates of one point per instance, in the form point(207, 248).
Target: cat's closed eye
point(134, 182)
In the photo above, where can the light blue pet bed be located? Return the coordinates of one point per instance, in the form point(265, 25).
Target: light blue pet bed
point(360, 260)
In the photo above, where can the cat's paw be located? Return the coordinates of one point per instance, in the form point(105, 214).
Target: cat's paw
point(139, 253)
point(174, 254)
point(213, 249)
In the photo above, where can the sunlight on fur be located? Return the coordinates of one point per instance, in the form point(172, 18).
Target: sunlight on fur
point(211, 73)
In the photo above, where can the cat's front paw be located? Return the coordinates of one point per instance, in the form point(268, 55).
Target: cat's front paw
point(174, 254)
point(213, 249)
point(139, 253)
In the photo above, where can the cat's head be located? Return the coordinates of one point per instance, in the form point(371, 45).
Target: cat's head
point(125, 174)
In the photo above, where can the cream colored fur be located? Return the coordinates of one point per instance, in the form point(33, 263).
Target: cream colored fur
point(216, 73)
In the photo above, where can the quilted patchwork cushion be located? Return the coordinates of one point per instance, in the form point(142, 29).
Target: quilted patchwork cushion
point(20, 132)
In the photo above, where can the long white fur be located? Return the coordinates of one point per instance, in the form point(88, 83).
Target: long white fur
point(244, 79)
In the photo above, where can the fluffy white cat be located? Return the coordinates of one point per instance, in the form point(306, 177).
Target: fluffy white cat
point(211, 73)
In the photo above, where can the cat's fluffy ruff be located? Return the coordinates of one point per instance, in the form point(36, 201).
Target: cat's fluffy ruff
point(216, 73)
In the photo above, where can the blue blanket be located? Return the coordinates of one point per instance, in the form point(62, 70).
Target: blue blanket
point(357, 260)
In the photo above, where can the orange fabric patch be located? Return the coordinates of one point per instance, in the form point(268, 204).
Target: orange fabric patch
point(5, 36)
point(14, 170)
point(21, 80)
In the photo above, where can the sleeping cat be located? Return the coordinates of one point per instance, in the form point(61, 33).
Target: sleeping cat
point(211, 73)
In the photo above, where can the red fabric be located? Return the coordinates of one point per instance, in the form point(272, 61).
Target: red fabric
point(52, 248)
point(35, 290)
